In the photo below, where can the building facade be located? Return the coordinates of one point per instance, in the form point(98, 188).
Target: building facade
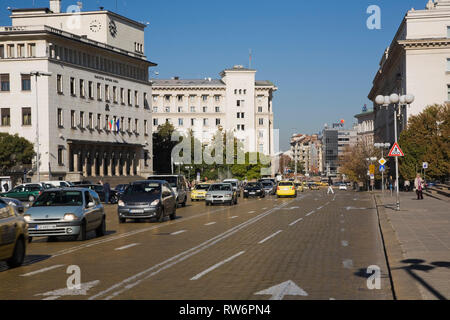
point(417, 62)
point(234, 103)
point(365, 126)
point(93, 113)
point(336, 141)
point(307, 149)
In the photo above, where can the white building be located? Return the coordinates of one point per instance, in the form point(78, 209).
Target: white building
point(417, 62)
point(307, 149)
point(234, 103)
point(365, 126)
point(99, 78)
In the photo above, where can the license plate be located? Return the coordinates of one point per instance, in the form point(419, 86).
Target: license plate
point(46, 227)
point(137, 211)
point(252, 192)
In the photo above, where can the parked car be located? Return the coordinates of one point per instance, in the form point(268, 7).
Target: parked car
point(113, 197)
point(28, 192)
point(67, 212)
point(58, 184)
point(178, 185)
point(343, 186)
point(221, 193)
point(147, 199)
point(286, 189)
point(77, 183)
point(13, 236)
point(44, 185)
point(269, 187)
point(199, 192)
point(236, 185)
point(254, 189)
point(16, 204)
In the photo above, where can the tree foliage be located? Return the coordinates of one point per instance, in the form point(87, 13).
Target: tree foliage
point(14, 150)
point(426, 139)
point(162, 148)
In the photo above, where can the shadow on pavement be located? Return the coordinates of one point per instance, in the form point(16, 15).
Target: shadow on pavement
point(29, 260)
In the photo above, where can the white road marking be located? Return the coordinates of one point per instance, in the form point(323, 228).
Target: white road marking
point(348, 264)
point(41, 270)
point(310, 213)
point(127, 247)
point(264, 208)
point(201, 274)
point(138, 278)
point(252, 212)
point(210, 224)
point(344, 243)
point(52, 298)
point(287, 288)
point(270, 237)
point(320, 208)
point(295, 222)
point(178, 232)
point(55, 294)
point(234, 217)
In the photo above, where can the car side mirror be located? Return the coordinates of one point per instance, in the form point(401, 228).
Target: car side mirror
point(91, 205)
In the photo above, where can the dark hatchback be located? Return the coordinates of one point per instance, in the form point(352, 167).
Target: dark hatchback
point(146, 200)
point(113, 197)
point(254, 189)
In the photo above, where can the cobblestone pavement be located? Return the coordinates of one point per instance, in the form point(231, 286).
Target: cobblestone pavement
point(422, 232)
point(322, 244)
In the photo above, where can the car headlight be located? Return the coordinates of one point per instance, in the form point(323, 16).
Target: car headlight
point(12, 204)
point(70, 217)
point(155, 203)
point(228, 195)
point(121, 203)
point(27, 218)
point(208, 195)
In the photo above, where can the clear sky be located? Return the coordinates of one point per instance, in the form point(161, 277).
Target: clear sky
point(320, 54)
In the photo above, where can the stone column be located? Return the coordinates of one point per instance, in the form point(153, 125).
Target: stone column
point(125, 163)
point(94, 161)
point(117, 159)
point(110, 162)
point(84, 163)
point(102, 162)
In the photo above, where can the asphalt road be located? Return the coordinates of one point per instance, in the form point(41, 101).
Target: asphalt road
point(313, 247)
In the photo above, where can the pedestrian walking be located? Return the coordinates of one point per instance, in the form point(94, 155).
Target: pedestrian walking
point(391, 185)
point(418, 185)
point(330, 186)
point(107, 191)
point(407, 185)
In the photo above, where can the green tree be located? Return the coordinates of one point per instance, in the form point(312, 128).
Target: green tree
point(426, 139)
point(162, 148)
point(14, 150)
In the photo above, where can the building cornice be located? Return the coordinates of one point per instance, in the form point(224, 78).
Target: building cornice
point(425, 43)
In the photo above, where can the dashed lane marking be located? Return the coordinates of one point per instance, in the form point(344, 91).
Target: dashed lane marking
point(41, 270)
point(127, 247)
point(201, 274)
point(270, 237)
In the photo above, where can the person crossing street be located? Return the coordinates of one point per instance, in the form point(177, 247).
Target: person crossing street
point(330, 186)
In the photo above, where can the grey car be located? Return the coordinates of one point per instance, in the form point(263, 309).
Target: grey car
point(222, 193)
point(67, 212)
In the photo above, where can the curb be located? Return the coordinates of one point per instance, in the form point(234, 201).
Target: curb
point(403, 286)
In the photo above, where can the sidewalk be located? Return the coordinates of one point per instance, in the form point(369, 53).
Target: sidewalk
point(417, 243)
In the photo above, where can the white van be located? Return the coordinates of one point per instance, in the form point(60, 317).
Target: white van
point(59, 184)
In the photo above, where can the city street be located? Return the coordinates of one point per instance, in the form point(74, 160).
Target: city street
point(317, 246)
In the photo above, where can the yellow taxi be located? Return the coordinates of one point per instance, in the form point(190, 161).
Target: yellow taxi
point(286, 189)
point(13, 236)
point(199, 192)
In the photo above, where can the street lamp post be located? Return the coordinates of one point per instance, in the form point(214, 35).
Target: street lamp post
point(36, 75)
point(398, 102)
point(382, 146)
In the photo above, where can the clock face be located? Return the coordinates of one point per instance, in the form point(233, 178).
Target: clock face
point(95, 26)
point(113, 28)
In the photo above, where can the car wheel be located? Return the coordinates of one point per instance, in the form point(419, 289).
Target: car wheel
point(122, 220)
point(101, 230)
point(31, 198)
point(18, 256)
point(184, 203)
point(161, 216)
point(82, 234)
point(51, 239)
point(173, 216)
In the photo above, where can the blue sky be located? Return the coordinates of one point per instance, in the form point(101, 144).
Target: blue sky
point(320, 54)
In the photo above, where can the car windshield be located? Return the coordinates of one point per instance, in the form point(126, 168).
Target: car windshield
point(59, 199)
point(286, 184)
point(267, 185)
point(232, 182)
point(253, 185)
point(202, 187)
point(220, 187)
point(171, 180)
point(146, 188)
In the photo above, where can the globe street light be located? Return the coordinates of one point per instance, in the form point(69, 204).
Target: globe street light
point(398, 102)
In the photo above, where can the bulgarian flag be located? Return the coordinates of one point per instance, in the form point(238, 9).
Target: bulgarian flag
point(110, 125)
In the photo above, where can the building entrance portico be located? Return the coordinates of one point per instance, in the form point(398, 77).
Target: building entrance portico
point(103, 159)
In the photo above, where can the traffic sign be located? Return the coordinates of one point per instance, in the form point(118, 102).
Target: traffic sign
point(382, 161)
point(425, 165)
point(396, 151)
point(372, 169)
point(372, 177)
point(382, 168)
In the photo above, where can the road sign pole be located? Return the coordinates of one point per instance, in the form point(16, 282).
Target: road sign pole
point(396, 160)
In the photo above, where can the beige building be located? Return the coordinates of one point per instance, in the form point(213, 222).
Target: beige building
point(307, 149)
point(236, 102)
point(365, 126)
point(94, 114)
point(417, 62)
